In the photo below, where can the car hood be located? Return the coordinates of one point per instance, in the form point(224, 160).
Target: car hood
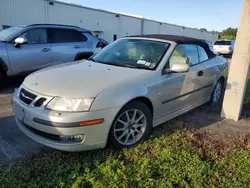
point(79, 79)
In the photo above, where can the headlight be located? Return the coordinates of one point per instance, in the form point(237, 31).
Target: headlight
point(70, 105)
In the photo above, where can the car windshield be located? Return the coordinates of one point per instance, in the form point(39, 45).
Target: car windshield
point(133, 53)
point(4, 34)
point(222, 43)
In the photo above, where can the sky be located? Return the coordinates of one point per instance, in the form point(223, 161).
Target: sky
point(210, 14)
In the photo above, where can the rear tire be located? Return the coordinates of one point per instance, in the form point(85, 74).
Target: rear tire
point(217, 93)
point(131, 126)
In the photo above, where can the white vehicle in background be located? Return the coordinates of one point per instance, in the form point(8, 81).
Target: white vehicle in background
point(224, 47)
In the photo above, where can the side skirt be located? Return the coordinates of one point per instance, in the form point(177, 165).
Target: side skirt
point(177, 113)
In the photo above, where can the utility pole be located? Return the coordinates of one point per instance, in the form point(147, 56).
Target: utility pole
point(238, 74)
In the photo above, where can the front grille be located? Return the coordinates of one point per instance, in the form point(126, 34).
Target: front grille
point(40, 102)
point(43, 134)
point(26, 97)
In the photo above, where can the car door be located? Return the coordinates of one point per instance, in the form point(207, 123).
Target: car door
point(176, 90)
point(66, 44)
point(33, 55)
point(206, 71)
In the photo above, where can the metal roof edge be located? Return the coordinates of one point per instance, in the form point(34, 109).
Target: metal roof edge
point(90, 8)
point(177, 25)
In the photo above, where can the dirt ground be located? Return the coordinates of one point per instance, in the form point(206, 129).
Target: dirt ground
point(213, 133)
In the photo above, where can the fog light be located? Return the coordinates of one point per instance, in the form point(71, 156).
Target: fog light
point(72, 138)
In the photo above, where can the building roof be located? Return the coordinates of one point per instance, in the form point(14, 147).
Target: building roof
point(180, 40)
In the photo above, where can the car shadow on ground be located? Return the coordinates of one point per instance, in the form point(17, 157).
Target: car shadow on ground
point(198, 118)
point(207, 119)
point(10, 84)
point(14, 144)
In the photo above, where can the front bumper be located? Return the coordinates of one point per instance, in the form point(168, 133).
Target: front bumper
point(224, 52)
point(95, 136)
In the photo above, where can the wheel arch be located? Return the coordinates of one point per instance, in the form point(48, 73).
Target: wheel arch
point(223, 79)
point(4, 66)
point(142, 99)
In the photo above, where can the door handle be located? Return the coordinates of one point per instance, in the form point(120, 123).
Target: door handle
point(45, 49)
point(76, 46)
point(200, 73)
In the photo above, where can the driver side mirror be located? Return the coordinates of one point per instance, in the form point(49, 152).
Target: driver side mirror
point(19, 41)
point(179, 68)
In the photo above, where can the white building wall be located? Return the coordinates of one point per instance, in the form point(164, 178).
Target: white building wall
point(129, 26)
point(171, 29)
point(18, 12)
point(189, 32)
point(105, 24)
point(155, 27)
point(151, 27)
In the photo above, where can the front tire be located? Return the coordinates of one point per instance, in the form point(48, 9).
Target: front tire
point(132, 125)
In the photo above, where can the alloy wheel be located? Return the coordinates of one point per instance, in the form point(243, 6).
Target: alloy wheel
point(130, 127)
point(217, 92)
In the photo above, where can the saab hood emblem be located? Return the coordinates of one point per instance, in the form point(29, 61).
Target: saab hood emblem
point(34, 84)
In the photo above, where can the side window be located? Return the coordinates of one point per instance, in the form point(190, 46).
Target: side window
point(178, 56)
point(66, 35)
point(191, 51)
point(36, 36)
point(183, 53)
point(202, 54)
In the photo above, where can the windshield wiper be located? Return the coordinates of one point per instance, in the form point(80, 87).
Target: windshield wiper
point(91, 59)
point(124, 65)
point(119, 64)
point(146, 68)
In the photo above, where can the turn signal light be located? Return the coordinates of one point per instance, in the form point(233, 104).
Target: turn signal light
point(91, 122)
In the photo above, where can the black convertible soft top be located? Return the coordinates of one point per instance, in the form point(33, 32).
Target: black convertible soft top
point(181, 40)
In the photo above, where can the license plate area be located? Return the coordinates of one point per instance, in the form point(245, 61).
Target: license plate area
point(19, 113)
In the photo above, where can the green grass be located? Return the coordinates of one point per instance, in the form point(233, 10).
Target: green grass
point(170, 158)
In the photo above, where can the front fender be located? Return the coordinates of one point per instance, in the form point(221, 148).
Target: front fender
point(119, 95)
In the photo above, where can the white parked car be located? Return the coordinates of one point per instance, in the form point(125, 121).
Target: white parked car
point(224, 47)
point(120, 94)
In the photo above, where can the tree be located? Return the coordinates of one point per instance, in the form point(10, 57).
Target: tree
point(203, 29)
point(229, 33)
